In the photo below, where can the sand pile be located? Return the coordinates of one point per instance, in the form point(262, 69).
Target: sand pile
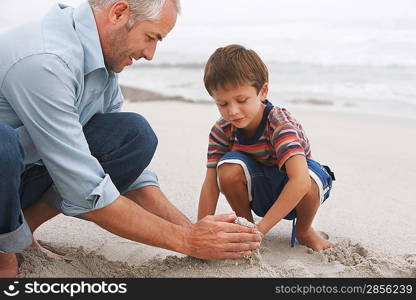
point(358, 260)
point(79, 263)
point(76, 263)
point(346, 259)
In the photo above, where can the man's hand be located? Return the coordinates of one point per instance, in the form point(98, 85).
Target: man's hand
point(212, 237)
point(215, 237)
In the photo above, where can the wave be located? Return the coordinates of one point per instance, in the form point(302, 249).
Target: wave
point(200, 65)
point(194, 65)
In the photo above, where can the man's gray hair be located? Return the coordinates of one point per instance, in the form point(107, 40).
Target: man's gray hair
point(142, 10)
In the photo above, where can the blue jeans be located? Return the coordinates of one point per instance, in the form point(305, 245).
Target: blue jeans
point(123, 143)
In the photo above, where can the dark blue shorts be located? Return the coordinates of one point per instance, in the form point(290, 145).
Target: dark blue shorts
point(265, 183)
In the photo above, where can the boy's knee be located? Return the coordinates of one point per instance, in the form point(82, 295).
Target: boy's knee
point(230, 174)
point(312, 189)
point(11, 152)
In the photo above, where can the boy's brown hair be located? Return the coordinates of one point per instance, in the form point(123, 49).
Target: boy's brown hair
point(235, 65)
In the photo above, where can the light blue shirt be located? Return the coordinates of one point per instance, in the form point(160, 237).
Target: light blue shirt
point(52, 81)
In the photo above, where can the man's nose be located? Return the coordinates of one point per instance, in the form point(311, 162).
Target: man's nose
point(149, 52)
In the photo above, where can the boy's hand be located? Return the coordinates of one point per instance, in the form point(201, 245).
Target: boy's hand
point(216, 237)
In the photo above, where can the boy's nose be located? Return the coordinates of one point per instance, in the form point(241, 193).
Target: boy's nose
point(233, 110)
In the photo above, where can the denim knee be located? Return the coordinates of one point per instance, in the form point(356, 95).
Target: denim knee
point(144, 136)
point(128, 162)
point(11, 152)
point(139, 125)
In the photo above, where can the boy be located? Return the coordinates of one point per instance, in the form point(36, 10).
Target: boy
point(258, 155)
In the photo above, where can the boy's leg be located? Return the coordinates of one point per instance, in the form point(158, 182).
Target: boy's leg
point(233, 184)
point(321, 184)
point(306, 211)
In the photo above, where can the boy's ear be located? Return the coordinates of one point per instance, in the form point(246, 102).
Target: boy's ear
point(264, 91)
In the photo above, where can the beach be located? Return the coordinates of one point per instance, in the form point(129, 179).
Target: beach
point(369, 215)
point(347, 74)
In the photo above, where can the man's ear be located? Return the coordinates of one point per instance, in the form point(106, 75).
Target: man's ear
point(264, 91)
point(119, 13)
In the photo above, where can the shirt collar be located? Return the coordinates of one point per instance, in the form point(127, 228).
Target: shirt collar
point(86, 28)
point(259, 131)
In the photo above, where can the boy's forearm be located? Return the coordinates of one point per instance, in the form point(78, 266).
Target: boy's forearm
point(292, 193)
point(208, 200)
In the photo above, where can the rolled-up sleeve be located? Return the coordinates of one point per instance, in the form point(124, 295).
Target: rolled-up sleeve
point(147, 178)
point(46, 107)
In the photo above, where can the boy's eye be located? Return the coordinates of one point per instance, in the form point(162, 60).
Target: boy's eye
point(150, 38)
point(222, 104)
point(242, 100)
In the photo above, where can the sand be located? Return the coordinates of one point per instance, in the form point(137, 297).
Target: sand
point(369, 215)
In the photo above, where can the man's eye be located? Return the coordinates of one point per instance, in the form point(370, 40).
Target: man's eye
point(242, 100)
point(222, 104)
point(150, 38)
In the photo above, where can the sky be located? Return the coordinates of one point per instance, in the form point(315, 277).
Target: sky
point(17, 11)
point(331, 27)
point(13, 12)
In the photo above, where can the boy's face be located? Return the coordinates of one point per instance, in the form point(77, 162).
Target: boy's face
point(241, 105)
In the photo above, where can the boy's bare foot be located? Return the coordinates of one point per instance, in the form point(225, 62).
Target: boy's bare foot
point(312, 240)
point(48, 253)
point(8, 265)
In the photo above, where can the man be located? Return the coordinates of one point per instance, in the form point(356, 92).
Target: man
point(64, 139)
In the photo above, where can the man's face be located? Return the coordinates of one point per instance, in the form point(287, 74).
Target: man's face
point(122, 46)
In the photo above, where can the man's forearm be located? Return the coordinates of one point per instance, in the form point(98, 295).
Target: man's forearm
point(152, 199)
point(212, 237)
point(127, 219)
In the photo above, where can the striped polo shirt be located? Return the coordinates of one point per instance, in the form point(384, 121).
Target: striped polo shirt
point(278, 137)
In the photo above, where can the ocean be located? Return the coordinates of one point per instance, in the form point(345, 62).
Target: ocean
point(357, 56)
point(348, 55)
